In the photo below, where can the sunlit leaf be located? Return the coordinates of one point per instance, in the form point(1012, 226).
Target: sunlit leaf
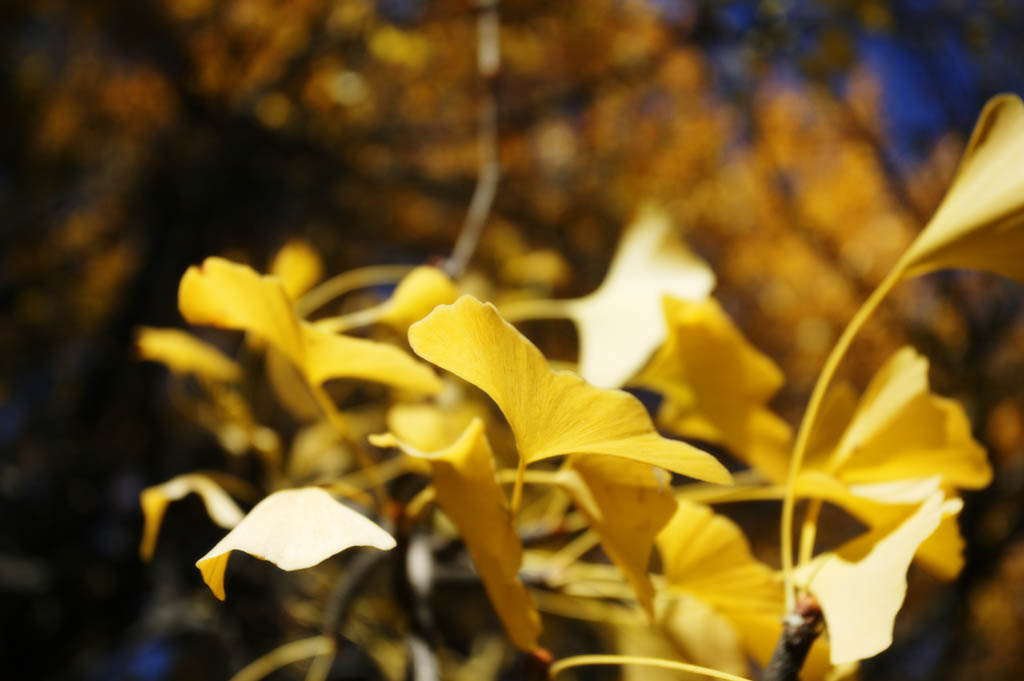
point(860, 599)
point(941, 553)
point(298, 266)
point(154, 500)
point(621, 323)
point(233, 296)
point(716, 384)
point(900, 430)
point(416, 295)
point(431, 427)
point(428, 427)
point(551, 412)
point(463, 477)
point(884, 507)
point(183, 353)
point(294, 529)
point(707, 557)
point(627, 506)
point(980, 223)
point(882, 457)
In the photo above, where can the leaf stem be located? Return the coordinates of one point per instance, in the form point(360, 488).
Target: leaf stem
point(340, 284)
point(488, 53)
point(810, 417)
point(285, 655)
point(588, 660)
point(517, 490)
point(353, 320)
point(809, 531)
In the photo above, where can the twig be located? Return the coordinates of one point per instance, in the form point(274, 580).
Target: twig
point(488, 61)
point(344, 594)
point(799, 630)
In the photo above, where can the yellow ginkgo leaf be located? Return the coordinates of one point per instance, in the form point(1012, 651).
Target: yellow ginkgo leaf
point(900, 430)
point(883, 507)
point(233, 296)
point(621, 323)
point(716, 384)
point(882, 456)
point(428, 427)
point(154, 500)
point(980, 223)
point(293, 529)
point(298, 266)
point(183, 353)
point(416, 296)
point(545, 268)
point(860, 599)
point(707, 557)
point(551, 412)
point(419, 292)
point(463, 477)
point(626, 505)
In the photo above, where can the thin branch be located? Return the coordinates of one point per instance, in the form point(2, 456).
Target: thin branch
point(339, 603)
point(799, 630)
point(488, 65)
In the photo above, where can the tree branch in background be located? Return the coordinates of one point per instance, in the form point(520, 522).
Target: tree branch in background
point(488, 65)
point(799, 630)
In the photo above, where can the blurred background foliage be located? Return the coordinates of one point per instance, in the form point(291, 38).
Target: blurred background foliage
point(800, 145)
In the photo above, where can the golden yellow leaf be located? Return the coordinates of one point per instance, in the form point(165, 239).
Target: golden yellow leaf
point(706, 556)
point(154, 500)
point(298, 266)
point(551, 412)
point(621, 323)
point(233, 296)
point(980, 223)
point(883, 507)
point(941, 553)
point(428, 427)
point(183, 353)
point(546, 268)
point(716, 384)
point(416, 295)
point(900, 430)
point(860, 599)
point(463, 477)
point(626, 505)
point(883, 457)
point(293, 529)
